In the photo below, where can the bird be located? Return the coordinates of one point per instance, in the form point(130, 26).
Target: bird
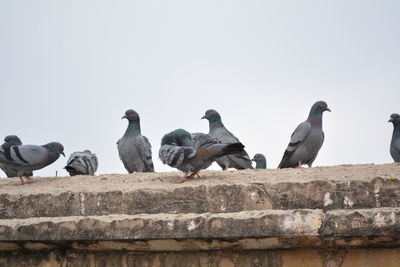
point(395, 143)
point(306, 140)
point(218, 131)
point(261, 161)
point(191, 153)
point(134, 149)
point(9, 141)
point(26, 158)
point(82, 163)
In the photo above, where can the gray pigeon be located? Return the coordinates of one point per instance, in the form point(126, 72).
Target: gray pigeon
point(9, 141)
point(26, 158)
point(82, 163)
point(218, 131)
point(134, 149)
point(191, 153)
point(395, 143)
point(261, 161)
point(306, 140)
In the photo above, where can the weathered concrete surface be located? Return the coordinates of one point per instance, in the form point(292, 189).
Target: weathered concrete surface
point(329, 188)
point(161, 226)
point(332, 216)
point(270, 229)
point(281, 258)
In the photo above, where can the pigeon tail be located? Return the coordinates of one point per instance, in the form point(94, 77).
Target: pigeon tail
point(235, 148)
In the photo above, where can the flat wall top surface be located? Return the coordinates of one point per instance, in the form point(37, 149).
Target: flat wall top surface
point(155, 181)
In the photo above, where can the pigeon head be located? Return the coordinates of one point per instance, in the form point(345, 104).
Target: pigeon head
point(131, 116)
point(212, 115)
point(260, 160)
point(258, 157)
point(55, 147)
point(319, 107)
point(395, 119)
point(13, 140)
point(178, 137)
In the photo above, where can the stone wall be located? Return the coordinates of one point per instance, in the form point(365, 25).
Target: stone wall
point(324, 216)
point(289, 258)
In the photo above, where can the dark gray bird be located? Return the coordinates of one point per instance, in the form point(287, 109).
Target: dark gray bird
point(306, 140)
point(9, 141)
point(260, 160)
point(134, 149)
point(82, 163)
point(395, 143)
point(191, 153)
point(26, 158)
point(218, 131)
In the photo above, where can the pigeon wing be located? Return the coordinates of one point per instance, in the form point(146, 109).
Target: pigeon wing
point(225, 136)
point(242, 160)
point(201, 140)
point(395, 150)
point(297, 138)
point(176, 156)
point(83, 162)
point(25, 155)
point(144, 148)
point(94, 161)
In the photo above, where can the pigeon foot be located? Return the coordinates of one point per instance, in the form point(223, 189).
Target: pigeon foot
point(187, 178)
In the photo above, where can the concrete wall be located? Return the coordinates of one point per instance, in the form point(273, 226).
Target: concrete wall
point(275, 258)
point(332, 216)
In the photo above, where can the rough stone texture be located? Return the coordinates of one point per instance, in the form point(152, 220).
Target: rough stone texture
point(244, 230)
point(269, 258)
point(161, 226)
point(332, 216)
point(329, 188)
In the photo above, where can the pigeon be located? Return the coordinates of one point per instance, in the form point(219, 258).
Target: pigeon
point(26, 158)
point(306, 140)
point(134, 149)
point(9, 141)
point(218, 131)
point(82, 163)
point(261, 161)
point(395, 143)
point(191, 153)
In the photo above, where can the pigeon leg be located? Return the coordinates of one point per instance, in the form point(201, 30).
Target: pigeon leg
point(21, 181)
point(225, 168)
point(29, 179)
point(187, 177)
point(180, 181)
point(298, 165)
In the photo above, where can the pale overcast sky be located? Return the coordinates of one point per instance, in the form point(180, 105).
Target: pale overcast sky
point(70, 69)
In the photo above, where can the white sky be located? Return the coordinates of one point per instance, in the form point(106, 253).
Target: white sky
point(70, 69)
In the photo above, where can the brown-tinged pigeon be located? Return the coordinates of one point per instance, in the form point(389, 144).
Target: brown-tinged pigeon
point(191, 153)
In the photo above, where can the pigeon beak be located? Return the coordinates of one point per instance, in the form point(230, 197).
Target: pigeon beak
point(124, 117)
point(62, 153)
point(204, 117)
point(253, 160)
point(391, 120)
point(327, 109)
